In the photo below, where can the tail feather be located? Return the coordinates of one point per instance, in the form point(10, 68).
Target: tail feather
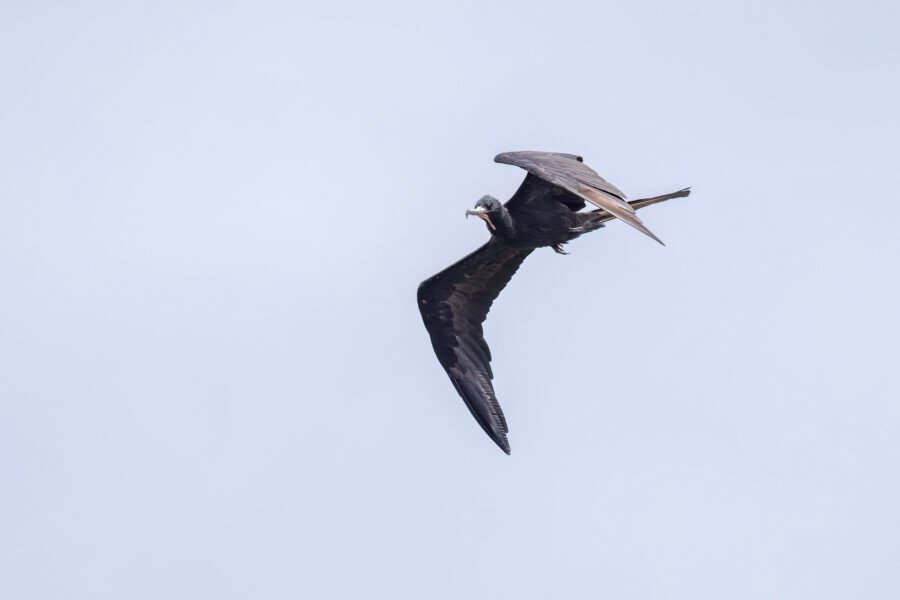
point(603, 216)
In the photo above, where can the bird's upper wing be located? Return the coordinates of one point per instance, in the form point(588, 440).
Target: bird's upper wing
point(568, 172)
point(454, 303)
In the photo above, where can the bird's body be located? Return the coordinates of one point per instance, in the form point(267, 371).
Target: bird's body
point(540, 220)
point(544, 212)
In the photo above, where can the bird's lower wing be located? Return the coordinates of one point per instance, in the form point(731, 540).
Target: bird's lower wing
point(570, 173)
point(454, 304)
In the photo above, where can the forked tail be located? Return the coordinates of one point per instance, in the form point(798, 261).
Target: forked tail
point(603, 216)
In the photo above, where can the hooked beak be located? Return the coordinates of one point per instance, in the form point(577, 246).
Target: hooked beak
point(481, 213)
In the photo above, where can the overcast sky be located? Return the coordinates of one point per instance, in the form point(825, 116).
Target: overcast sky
point(214, 382)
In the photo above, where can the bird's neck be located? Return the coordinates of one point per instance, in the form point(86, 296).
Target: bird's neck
point(505, 228)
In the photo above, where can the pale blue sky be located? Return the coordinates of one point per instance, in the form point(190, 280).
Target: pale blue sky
point(215, 382)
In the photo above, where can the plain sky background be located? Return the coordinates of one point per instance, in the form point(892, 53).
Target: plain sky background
point(215, 383)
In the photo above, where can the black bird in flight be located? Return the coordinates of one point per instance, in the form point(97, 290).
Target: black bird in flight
point(543, 212)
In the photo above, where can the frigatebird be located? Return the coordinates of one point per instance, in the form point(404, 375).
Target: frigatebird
point(544, 212)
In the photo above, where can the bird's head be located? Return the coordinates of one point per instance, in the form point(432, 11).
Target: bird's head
point(485, 208)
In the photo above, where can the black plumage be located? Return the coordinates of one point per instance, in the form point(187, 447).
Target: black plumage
point(544, 212)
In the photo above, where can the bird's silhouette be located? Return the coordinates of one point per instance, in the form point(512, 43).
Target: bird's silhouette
point(544, 212)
